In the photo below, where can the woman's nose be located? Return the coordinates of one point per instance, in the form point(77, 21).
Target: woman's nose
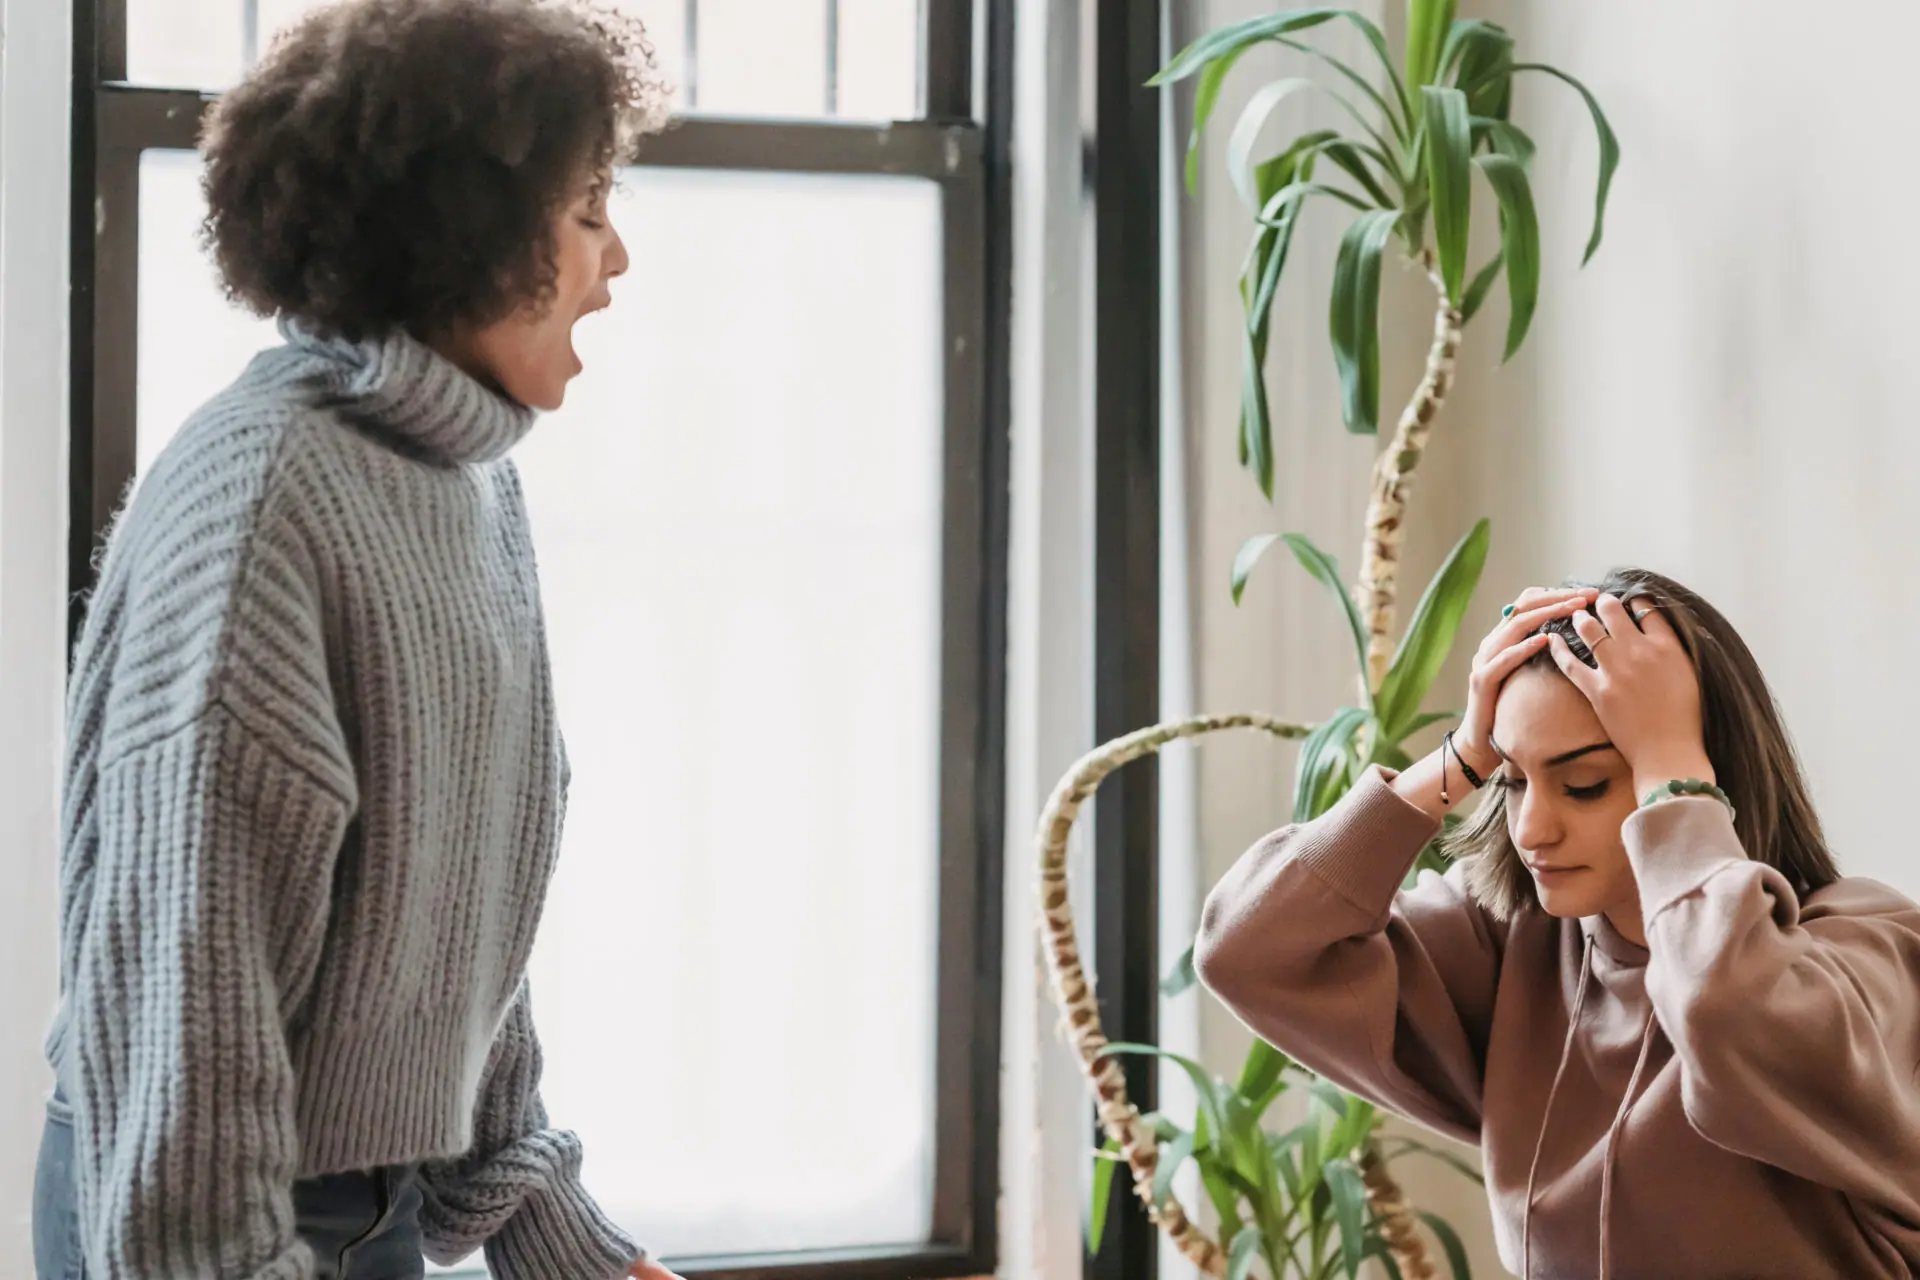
point(617, 261)
point(1533, 827)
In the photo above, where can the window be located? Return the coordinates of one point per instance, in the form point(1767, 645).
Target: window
point(772, 540)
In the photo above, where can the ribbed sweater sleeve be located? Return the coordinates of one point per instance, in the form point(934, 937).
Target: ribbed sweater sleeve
point(518, 1191)
point(211, 891)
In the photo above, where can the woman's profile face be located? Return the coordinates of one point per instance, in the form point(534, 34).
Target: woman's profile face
point(529, 355)
point(1568, 792)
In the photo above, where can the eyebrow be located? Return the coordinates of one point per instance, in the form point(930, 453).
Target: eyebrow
point(1565, 757)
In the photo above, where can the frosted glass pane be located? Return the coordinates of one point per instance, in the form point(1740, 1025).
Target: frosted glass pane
point(193, 44)
point(752, 57)
point(738, 514)
point(786, 58)
point(879, 67)
point(738, 519)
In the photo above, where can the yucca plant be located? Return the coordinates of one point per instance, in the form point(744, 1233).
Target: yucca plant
point(1318, 1200)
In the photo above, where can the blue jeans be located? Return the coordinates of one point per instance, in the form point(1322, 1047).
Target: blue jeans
point(360, 1226)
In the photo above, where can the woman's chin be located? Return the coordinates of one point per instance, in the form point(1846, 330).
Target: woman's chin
point(1563, 895)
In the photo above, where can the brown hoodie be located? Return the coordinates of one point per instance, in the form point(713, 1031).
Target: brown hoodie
point(1738, 1098)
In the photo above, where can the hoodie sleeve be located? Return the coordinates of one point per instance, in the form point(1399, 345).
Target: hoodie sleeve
point(1386, 993)
point(1797, 1027)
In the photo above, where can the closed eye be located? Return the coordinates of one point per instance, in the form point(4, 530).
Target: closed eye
point(1593, 792)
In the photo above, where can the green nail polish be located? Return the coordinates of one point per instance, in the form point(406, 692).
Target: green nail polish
point(1507, 612)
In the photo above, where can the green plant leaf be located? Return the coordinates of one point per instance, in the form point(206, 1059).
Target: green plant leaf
point(1242, 1253)
point(1519, 242)
point(1352, 1128)
point(1261, 1070)
point(1280, 1154)
point(1181, 977)
point(1246, 557)
point(1327, 572)
point(1216, 1179)
point(1102, 1194)
point(1424, 719)
point(1393, 757)
point(1259, 282)
point(1609, 152)
point(1450, 1242)
point(1483, 68)
point(1329, 1097)
point(1282, 204)
point(1349, 1210)
point(1322, 763)
point(1404, 1146)
point(1504, 139)
point(1482, 285)
point(1390, 114)
point(1206, 94)
point(1231, 41)
point(1243, 1147)
point(1164, 1129)
point(1429, 22)
point(1468, 33)
point(1449, 150)
point(1352, 158)
point(1206, 1089)
point(1430, 635)
point(1172, 1156)
point(1246, 134)
point(1377, 1250)
point(1354, 318)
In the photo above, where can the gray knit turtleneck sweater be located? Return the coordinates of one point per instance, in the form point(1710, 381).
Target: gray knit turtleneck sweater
point(313, 797)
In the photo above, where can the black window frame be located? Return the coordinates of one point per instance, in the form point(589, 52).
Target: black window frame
point(1127, 161)
point(960, 142)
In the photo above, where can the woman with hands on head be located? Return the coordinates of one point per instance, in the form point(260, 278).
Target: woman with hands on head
point(1685, 1045)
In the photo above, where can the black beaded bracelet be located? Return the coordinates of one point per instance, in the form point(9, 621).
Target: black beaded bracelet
point(1465, 768)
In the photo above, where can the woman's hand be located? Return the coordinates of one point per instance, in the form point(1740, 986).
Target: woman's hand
point(651, 1271)
point(1645, 690)
point(1506, 649)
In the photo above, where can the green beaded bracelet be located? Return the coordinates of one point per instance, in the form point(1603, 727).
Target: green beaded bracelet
point(1687, 787)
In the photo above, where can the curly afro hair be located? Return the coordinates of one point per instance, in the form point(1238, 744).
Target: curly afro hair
point(398, 164)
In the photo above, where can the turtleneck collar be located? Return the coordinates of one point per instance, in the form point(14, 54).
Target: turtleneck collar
point(426, 405)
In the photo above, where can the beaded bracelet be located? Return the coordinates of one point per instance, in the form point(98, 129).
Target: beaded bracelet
point(1687, 787)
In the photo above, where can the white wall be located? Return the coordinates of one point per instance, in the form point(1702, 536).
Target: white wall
point(1718, 396)
point(33, 416)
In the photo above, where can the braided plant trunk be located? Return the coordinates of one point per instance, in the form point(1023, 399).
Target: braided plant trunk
point(1376, 592)
point(1074, 991)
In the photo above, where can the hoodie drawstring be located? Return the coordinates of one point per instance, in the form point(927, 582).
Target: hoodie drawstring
point(1613, 1136)
point(1539, 1143)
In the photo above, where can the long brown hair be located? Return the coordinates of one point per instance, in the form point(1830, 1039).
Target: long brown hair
point(1746, 740)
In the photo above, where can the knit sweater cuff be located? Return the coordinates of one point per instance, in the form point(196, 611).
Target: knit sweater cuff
point(1676, 846)
point(1361, 848)
point(559, 1232)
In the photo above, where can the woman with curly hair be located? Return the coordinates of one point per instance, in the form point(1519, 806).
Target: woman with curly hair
point(314, 783)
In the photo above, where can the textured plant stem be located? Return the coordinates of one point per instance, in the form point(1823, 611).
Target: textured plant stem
point(1081, 1012)
point(1397, 1222)
point(1377, 590)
